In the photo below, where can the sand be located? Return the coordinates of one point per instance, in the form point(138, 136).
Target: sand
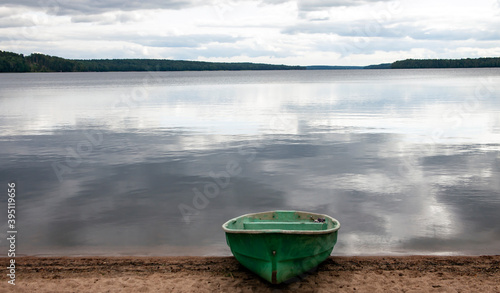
point(225, 274)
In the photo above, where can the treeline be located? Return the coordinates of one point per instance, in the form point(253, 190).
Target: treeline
point(328, 67)
point(379, 66)
point(12, 62)
point(173, 65)
point(446, 63)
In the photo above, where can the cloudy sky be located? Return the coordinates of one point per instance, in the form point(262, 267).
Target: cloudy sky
point(300, 32)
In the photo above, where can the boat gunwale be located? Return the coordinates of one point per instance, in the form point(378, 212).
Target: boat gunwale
point(279, 231)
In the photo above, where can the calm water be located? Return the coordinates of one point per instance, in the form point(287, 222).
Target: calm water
point(153, 163)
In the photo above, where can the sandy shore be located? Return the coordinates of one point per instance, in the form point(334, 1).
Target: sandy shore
point(225, 274)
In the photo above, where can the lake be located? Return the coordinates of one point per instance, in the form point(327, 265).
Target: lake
point(153, 163)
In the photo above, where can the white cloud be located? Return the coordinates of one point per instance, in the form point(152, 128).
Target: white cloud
point(108, 18)
point(332, 32)
point(99, 6)
point(313, 5)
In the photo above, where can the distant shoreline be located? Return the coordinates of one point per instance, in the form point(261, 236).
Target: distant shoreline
point(36, 62)
point(13, 62)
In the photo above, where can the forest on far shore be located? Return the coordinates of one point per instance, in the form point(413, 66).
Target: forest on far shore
point(447, 63)
point(36, 62)
point(13, 62)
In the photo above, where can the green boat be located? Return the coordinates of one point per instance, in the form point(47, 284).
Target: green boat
point(280, 245)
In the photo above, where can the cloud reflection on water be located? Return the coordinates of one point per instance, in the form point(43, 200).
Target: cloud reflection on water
point(359, 153)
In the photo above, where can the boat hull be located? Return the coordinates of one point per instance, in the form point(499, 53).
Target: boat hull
point(278, 256)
